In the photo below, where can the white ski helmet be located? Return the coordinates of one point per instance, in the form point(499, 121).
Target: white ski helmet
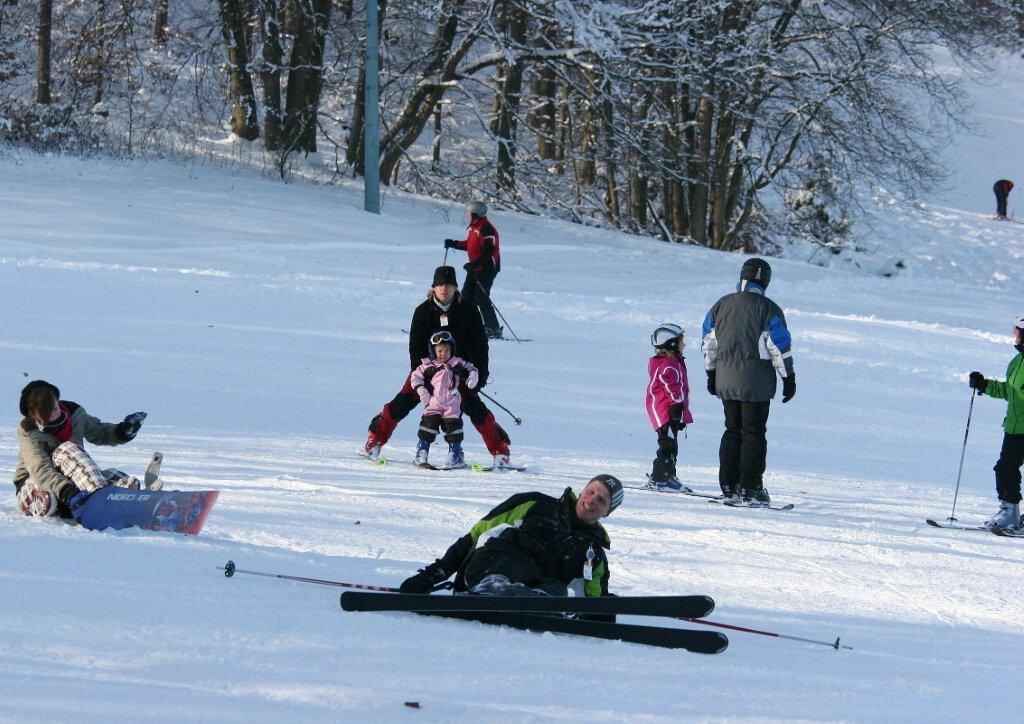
point(1019, 321)
point(479, 208)
point(666, 336)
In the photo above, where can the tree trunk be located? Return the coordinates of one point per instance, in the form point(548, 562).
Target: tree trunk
point(45, 44)
point(442, 64)
point(638, 199)
point(586, 168)
point(305, 74)
point(160, 20)
point(270, 73)
point(701, 163)
point(244, 123)
point(509, 100)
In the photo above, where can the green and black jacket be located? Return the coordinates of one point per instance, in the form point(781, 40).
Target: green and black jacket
point(531, 537)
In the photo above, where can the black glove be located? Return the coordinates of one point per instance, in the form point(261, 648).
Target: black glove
point(788, 387)
point(461, 372)
point(128, 428)
point(451, 244)
point(675, 417)
point(425, 580)
point(711, 383)
point(469, 267)
point(977, 382)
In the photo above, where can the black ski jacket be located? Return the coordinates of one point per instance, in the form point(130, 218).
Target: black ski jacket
point(531, 537)
point(462, 320)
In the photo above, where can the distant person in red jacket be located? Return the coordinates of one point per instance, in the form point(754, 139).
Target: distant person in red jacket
point(1002, 189)
point(482, 246)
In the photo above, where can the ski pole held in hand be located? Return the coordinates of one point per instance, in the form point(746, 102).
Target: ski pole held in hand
point(517, 420)
point(230, 570)
point(959, 472)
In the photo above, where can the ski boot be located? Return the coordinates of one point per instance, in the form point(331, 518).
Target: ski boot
point(1008, 516)
point(456, 458)
point(422, 453)
point(757, 498)
point(371, 448)
point(502, 461)
point(730, 496)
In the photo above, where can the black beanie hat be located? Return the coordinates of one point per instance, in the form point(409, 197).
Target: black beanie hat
point(614, 486)
point(757, 271)
point(445, 275)
point(32, 387)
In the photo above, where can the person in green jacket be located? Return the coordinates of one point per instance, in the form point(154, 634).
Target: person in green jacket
point(55, 473)
point(1011, 457)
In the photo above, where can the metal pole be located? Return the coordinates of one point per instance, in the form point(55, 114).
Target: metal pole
point(833, 644)
point(371, 116)
point(517, 420)
point(962, 453)
point(230, 570)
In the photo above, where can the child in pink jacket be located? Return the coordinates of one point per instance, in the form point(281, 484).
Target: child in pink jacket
point(668, 403)
point(437, 381)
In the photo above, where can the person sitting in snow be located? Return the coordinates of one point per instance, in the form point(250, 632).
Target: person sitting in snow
point(55, 473)
point(532, 545)
point(668, 402)
point(444, 308)
point(1011, 457)
point(437, 381)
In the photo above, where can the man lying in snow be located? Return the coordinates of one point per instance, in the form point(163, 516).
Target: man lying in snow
point(532, 545)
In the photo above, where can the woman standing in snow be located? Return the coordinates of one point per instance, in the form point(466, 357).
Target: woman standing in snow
point(668, 402)
point(1011, 457)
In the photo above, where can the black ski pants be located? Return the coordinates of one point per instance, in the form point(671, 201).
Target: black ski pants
point(477, 290)
point(664, 466)
point(1001, 193)
point(741, 456)
point(430, 424)
point(1007, 468)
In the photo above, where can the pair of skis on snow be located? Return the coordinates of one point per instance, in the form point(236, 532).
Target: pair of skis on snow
point(382, 462)
point(558, 615)
point(1004, 532)
point(732, 502)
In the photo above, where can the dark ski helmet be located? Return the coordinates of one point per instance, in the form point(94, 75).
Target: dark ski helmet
point(756, 270)
point(614, 486)
point(441, 336)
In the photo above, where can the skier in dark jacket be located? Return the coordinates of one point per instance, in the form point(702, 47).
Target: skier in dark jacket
point(532, 544)
point(1002, 189)
point(444, 309)
point(483, 247)
point(745, 342)
point(1011, 456)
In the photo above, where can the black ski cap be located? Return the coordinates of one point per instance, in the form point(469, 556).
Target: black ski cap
point(614, 486)
point(32, 387)
point(756, 270)
point(445, 275)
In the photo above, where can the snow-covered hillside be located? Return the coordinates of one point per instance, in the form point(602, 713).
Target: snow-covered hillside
point(260, 325)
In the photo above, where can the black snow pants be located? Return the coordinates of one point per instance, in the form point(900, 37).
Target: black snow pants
point(741, 456)
point(477, 290)
point(1011, 457)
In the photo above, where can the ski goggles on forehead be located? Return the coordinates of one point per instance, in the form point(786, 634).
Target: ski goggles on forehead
point(441, 338)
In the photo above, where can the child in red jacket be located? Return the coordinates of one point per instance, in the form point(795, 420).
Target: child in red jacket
point(668, 403)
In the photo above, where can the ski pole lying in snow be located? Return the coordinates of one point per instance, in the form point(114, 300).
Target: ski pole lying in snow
point(230, 570)
point(517, 420)
point(834, 644)
point(962, 453)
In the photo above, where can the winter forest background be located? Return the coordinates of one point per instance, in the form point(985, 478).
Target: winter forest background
point(731, 124)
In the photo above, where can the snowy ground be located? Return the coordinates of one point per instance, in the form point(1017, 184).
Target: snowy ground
point(260, 326)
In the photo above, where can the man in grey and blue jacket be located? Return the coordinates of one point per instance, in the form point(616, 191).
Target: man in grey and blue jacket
point(745, 343)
